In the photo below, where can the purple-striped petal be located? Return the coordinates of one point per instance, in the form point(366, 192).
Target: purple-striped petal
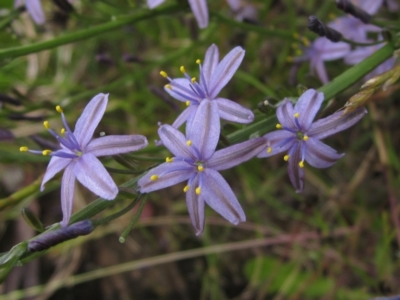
point(186, 115)
point(333, 51)
point(67, 193)
point(335, 123)
point(176, 142)
point(205, 129)
point(370, 6)
point(237, 154)
point(307, 107)
point(285, 115)
point(90, 118)
point(279, 141)
point(211, 60)
point(200, 11)
point(154, 3)
point(231, 111)
point(91, 173)
point(181, 90)
point(225, 70)
point(320, 155)
point(195, 205)
point(296, 174)
point(56, 164)
point(34, 8)
point(217, 193)
point(167, 174)
point(116, 144)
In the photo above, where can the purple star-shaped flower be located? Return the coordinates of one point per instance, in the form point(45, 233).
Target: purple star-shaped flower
point(34, 8)
point(199, 9)
point(300, 137)
point(79, 152)
point(196, 160)
point(214, 75)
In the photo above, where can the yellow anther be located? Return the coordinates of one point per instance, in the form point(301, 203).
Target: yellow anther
point(189, 142)
point(301, 164)
point(153, 177)
point(296, 115)
point(296, 35)
point(46, 124)
point(298, 52)
point(305, 138)
point(331, 16)
point(269, 149)
point(182, 69)
point(289, 59)
point(198, 191)
point(163, 74)
point(46, 152)
point(295, 46)
point(23, 149)
point(187, 103)
point(186, 188)
point(198, 61)
point(168, 86)
point(193, 80)
point(62, 131)
point(200, 168)
point(286, 157)
point(59, 109)
point(169, 159)
point(305, 41)
point(279, 126)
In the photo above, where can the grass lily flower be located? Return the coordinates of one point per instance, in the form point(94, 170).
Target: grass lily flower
point(34, 8)
point(79, 152)
point(300, 137)
point(196, 161)
point(214, 75)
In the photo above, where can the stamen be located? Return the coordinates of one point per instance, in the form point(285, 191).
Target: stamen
point(198, 191)
point(189, 143)
point(168, 86)
point(269, 150)
point(46, 152)
point(305, 138)
point(23, 149)
point(298, 52)
point(289, 59)
point(301, 164)
point(296, 115)
point(186, 188)
point(59, 109)
point(286, 157)
point(279, 126)
point(163, 74)
point(62, 131)
point(305, 41)
point(153, 177)
point(182, 69)
point(187, 103)
point(296, 35)
point(200, 168)
point(198, 61)
point(193, 80)
point(46, 124)
point(169, 159)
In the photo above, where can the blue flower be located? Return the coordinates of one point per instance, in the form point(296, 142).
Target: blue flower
point(300, 137)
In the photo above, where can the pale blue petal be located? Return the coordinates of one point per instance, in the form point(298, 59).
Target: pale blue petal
point(34, 8)
point(154, 3)
point(320, 155)
point(181, 90)
point(169, 174)
point(187, 114)
point(328, 50)
point(225, 70)
point(335, 123)
point(175, 141)
point(211, 60)
point(231, 111)
point(195, 205)
point(55, 165)
point(279, 141)
point(236, 154)
point(90, 118)
point(296, 174)
point(91, 173)
point(217, 193)
point(285, 115)
point(200, 11)
point(319, 67)
point(67, 193)
point(307, 107)
point(370, 6)
point(116, 144)
point(205, 129)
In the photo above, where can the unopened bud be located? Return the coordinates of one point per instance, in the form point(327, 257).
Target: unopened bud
point(355, 11)
point(358, 100)
point(315, 25)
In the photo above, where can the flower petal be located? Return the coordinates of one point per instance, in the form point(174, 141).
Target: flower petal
point(335, 123)
point(320, 155)
point(211, 60)
point(200, 11)
point(217, 193)
point(154, 3)
point(67, 193)
point(296, 174)
point(34, 7)
point(279, 141)
point(319, 67)
point(175, 141)
point(231, 111)
point(333, 51)
point(307, 107)
point(89, 119)
point(285, 115)
point(225, 70)
point(91, 173)
point(237, 154)
point(55, 165)
point(187, 114)
point(205, 129)
point(181, 90)
point(168, 174)
point(195, 205)
point(116, 144)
